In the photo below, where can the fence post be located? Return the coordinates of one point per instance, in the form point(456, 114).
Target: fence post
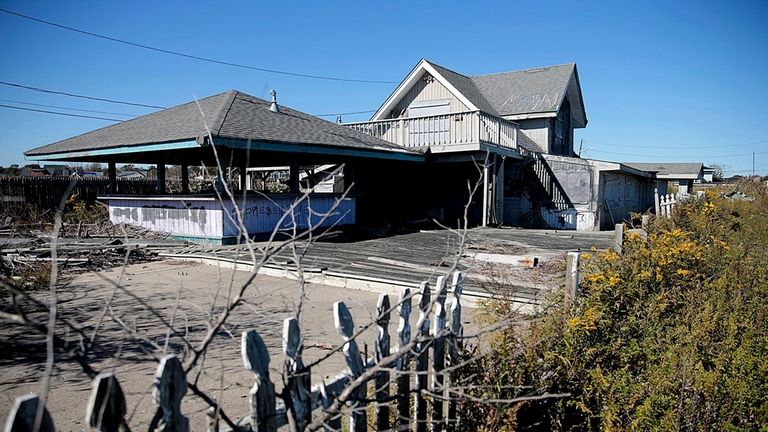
point(333, 424)
point(422, 366)
point(299, 407)
point(572, 276)
point(344, 324)
point(382, 350)
point(403, 378)
point(455, 343)
point(618, 238)
point(438, 356)
point(657, 207)
point(170, 387)
point(106, 407)
point(22, 415)
point(262, 394)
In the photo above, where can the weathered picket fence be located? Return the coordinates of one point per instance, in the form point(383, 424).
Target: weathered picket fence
point(429, 349)
point(45, 192)
point(664, 203)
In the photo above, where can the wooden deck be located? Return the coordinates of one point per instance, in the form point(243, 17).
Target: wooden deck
point(408, 259)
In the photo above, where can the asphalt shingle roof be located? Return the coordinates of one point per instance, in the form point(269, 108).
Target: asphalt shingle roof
point(231, 114)
point(518, 92)
point(668, 168)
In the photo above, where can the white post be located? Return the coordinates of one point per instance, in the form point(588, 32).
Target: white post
point(401, 123)
point(485, 193)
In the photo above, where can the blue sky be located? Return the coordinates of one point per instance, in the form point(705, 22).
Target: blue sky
point(662, 81)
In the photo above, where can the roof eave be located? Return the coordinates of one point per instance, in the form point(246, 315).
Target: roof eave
point(410, 80)
point(111, 151)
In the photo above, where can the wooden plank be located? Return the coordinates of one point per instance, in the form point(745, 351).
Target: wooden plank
point(422, 360)
point(22, 416)
point(106, 407)
point(169, 389)
point(381, 351)
point(334, 424)
point(299, 405)
point(262, 395)
point(344, 324)
point(455, 343)
point(403, 377)
point(438, 355)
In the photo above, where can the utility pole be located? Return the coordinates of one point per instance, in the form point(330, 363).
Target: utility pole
point(753, 164)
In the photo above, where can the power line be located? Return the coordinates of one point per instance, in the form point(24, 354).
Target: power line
point(67, 108)
point(194, 57)
point(676, 157)
point(692, 147)
point(345, 113)
point(59, 113)
point(114, 101)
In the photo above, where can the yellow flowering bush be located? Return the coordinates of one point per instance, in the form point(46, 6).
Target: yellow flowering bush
point(672, 334)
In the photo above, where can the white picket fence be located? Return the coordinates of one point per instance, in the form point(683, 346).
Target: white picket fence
point(430, 351)
point(664, 203)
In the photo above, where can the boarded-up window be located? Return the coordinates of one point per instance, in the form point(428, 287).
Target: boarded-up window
point(428, 129)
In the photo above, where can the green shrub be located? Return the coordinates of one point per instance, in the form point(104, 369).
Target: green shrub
point(670, 335)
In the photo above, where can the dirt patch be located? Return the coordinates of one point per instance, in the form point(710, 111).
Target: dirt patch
point(200, 292)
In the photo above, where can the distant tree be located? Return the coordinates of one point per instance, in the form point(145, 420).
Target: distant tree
point(94, 167)
point(718, 173)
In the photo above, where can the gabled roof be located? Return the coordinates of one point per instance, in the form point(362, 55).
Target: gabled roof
point(517, 94)
point(231, 115)
point(670, 170)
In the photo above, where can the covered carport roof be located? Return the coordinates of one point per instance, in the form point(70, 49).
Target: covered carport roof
point(240, 125)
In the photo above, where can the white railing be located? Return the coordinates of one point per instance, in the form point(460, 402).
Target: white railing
point(468, 127)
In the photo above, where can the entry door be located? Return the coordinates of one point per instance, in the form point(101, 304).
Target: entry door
point(428, 130)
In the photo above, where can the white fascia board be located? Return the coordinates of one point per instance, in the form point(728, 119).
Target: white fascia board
point(530, 116)
point(410, 81)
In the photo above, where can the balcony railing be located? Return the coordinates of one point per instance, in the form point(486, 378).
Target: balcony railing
point(470, 127)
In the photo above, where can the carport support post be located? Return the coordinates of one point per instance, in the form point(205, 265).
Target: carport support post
point(184, 178)
point(485, 193)
point(243, 177)
point(112, 177)
point(294, 179)
point(161, 178)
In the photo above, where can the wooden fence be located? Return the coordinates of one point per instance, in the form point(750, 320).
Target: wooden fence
point(46, 191)
point(418, 362)
point(664, 203)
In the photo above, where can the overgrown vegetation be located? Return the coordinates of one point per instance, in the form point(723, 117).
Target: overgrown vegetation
point(670, 335)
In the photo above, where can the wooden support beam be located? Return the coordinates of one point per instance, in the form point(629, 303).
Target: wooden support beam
point(243, 176)
point(112, 178)
point(161, 178)
point(486, 169)
point(184, 178)
point(293, 183)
